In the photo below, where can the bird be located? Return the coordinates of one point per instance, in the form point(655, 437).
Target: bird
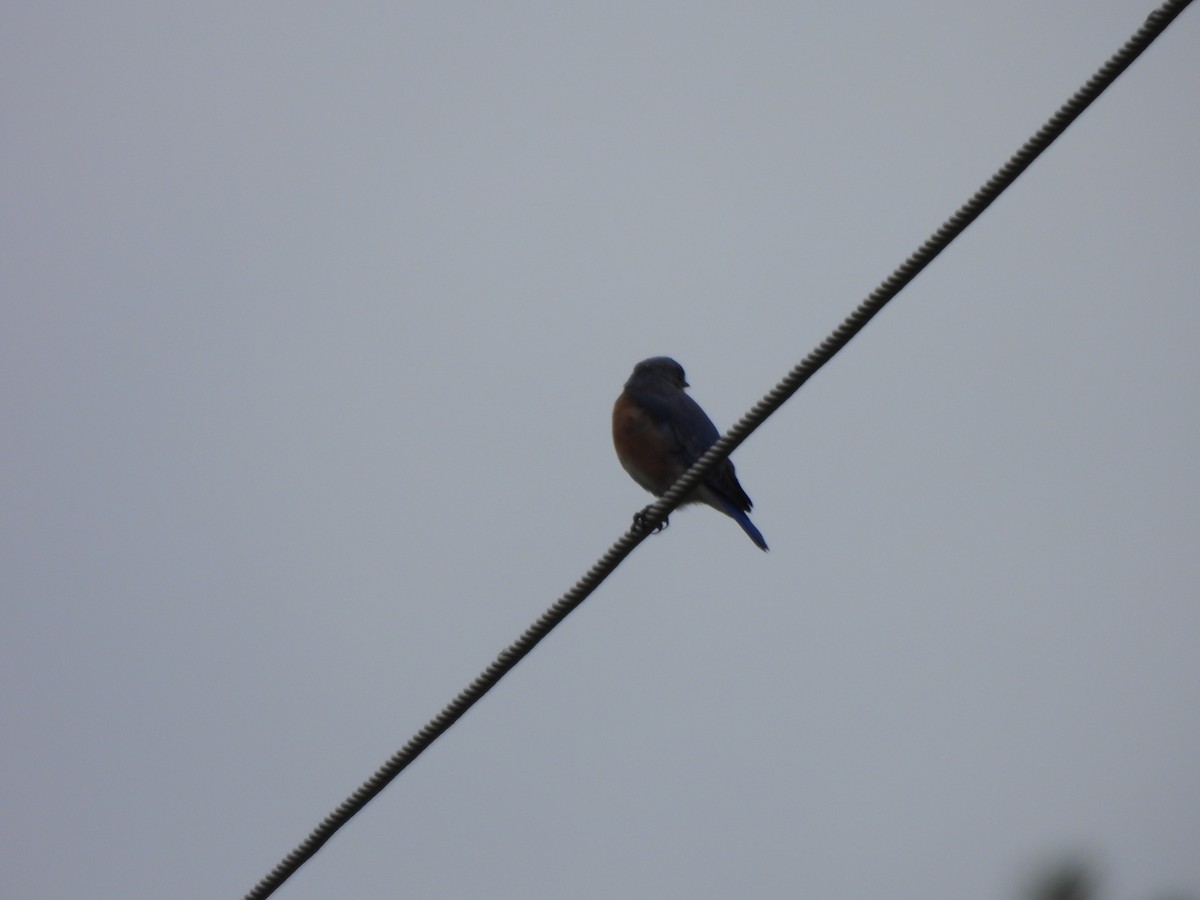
point(659, 431)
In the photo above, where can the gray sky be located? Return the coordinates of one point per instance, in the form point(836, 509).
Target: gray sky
point(313, 316)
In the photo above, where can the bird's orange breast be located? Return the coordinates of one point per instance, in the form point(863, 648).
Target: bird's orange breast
point(642, 447)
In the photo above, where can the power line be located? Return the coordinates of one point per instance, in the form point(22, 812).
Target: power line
point(1154, 25)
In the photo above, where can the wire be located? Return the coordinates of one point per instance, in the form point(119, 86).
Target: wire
point(1154, 25)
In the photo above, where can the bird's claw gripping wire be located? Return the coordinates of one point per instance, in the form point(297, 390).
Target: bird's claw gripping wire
point(639, 521)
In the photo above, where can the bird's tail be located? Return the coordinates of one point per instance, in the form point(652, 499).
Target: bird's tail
point(744, 520)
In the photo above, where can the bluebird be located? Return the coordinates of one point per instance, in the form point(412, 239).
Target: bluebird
point(659, 432)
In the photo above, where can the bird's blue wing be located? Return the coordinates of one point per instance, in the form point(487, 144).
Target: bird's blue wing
point(691, 429)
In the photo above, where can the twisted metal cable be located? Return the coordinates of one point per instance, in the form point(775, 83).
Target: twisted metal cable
point(1154, 25)
point(792, 382)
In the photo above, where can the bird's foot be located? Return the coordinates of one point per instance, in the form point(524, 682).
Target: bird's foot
point(639, 521)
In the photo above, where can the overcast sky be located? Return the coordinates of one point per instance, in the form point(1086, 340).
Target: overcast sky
point(313, 317)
